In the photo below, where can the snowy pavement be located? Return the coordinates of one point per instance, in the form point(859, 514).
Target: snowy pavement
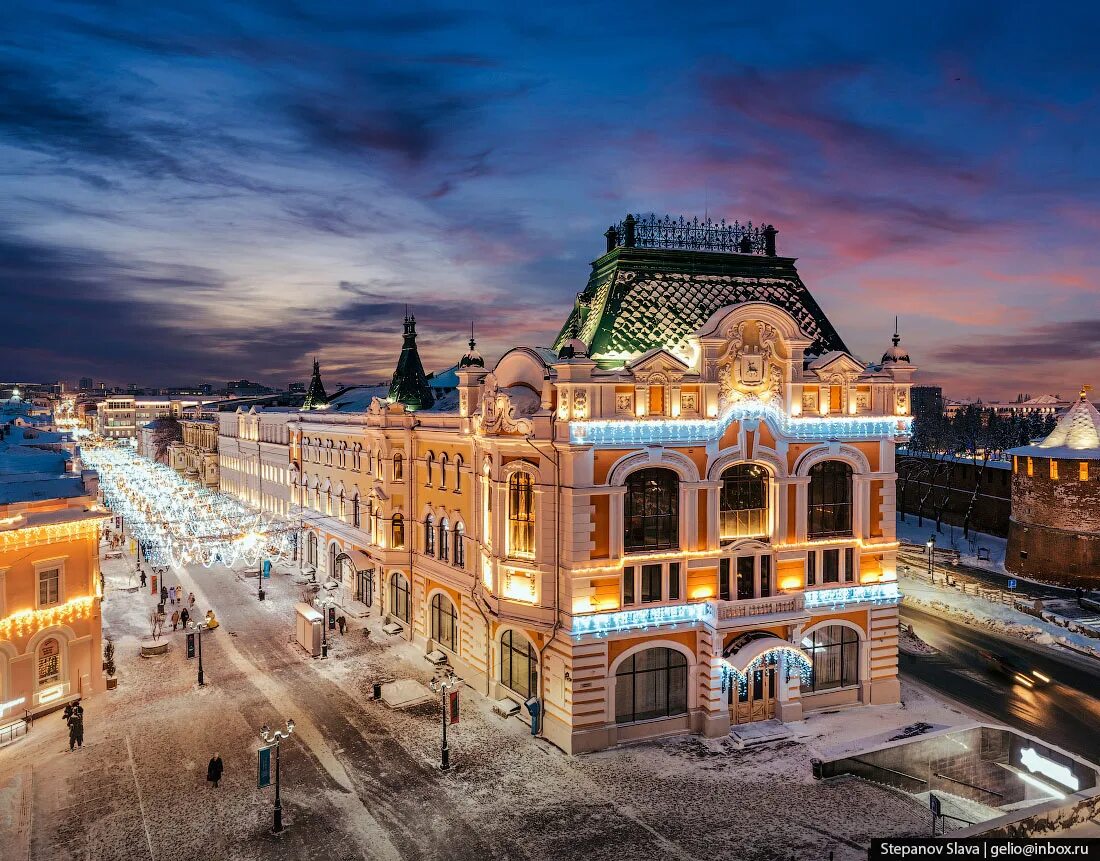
point(360, 780)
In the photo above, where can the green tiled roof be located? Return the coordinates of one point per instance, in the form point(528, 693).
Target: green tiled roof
point(641, 298)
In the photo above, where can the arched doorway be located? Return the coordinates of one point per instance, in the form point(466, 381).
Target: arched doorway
point(363, 579)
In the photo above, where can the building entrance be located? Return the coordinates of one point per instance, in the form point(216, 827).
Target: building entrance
point(755, 700)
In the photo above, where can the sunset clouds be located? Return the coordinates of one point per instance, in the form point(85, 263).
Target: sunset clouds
point(215, 191)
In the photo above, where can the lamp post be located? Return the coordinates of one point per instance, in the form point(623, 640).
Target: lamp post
point(274, 737)
point(324, 627)
point(260, 581)
point(443, 685)
point(198, 628)
point(931, 545)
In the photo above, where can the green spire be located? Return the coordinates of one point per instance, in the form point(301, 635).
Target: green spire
point(409, 385)
point(315, 397)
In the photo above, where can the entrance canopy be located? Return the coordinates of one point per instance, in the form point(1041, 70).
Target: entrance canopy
point(358, 559)
point(743, 651)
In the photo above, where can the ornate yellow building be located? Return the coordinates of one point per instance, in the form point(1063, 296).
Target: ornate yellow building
point(678, 519)
point(50, 617)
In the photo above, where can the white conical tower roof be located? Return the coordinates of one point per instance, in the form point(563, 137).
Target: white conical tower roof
point(1077, 434)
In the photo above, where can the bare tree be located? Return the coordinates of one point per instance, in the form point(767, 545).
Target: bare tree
point(166, 430)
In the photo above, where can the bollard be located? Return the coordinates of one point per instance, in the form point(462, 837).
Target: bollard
point(377, 690)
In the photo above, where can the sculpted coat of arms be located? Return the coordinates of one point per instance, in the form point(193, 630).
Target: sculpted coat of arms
point(749, 369)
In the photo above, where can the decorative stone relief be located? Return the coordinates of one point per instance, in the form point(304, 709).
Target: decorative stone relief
point(624, 403)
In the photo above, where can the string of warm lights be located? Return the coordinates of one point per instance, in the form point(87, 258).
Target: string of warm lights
point(177, 522)
point(27, 622)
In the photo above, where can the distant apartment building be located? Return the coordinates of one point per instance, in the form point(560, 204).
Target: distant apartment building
point(120, 416)
point(85, 384)
point(1024, 405)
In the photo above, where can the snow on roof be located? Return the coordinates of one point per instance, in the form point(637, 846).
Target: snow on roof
point(47, 518)
point(445, 379)
point(1076, 436)
point(32, 487)
point(356, 399)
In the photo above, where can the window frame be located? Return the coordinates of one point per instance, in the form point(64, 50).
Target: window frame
point(522, 516)
point(437, 616)
point(672, 675)
point(531, 657)
point(826, 515)
point(849, 658)
point(655, 487)
point(43, 566)
point(399, 588)
point(737, 488)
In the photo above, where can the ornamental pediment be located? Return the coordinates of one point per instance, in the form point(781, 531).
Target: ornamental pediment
point(658, 361)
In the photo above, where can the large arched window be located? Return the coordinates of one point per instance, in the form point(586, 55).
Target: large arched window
point(830, 499)
point(834, 657)
point(460, 547)
point(521, 514)
point(444, 539)
point(444, 622)
point(400, 603)
point(397, 532)
point(652, 511)
point(651, 684)
point(743, 510)
point(518, 664)
point(49, 662)
point(429, 535)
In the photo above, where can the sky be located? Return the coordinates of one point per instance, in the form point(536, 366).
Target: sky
point(207, 191)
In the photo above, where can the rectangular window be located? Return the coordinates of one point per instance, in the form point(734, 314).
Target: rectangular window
point(724, 579)
point(628, 586)
point(49, 581)
point(1053, 469)
point(1015, 463)
point(849, 564)
point(811, 568)
point(651, 583)
point(830, 566)
point(1083, 471)
point(1029, 466)
point(835, 399)
point(745, 571)
point(765, 576)
point(674, 581)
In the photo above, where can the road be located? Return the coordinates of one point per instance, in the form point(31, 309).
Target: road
point(1066, 712)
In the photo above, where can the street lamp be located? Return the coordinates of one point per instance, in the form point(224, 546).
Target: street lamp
point(260, 581)
point(324, 627)
point(443, 685)
point(274, 737)
point(198, 628)
point(931, 545)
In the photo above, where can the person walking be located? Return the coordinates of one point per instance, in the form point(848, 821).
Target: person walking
point(185, 617)
point(76, 727)
point(163, 594)
point(191, 601)
point(214, 769)
point(176, 619)
point(342, 623)
point(143, 579)
point(171, 594)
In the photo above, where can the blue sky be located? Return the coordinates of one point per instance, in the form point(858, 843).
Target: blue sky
point(215, 190)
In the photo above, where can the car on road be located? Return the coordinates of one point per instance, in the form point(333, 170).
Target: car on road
point(1016, 669)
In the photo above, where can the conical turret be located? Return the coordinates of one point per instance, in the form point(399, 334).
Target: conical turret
point(409, 385)
point(316, 399)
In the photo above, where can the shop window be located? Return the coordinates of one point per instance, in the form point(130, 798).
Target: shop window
point(444, 622)
point(49, 662)
point(650, 685)
point(400, 598)
point(518, 664)
point(834, 656)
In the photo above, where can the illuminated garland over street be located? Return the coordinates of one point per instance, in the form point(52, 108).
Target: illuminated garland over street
point(178, 522)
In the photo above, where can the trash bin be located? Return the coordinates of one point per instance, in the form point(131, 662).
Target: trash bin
point(815, 764)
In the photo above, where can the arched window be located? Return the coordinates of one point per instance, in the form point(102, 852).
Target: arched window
point(429, 535)
point(397, 532)
point(400, 603)
point(328, 501)
point(343, 508)
point(444, 539)
point(460, 547)
point(521, 514)
point(333, 552)
point(518, 664)
point(743, 511)
point(429, 466)
point(49, 662)
point(652, 511)
point(443, 470)
point(458, 473)
point(444, 622)
point(398, 467)
point(651, 684)
point(311, 548)
point(834, 657)
point(355, 510)
point(830, 499)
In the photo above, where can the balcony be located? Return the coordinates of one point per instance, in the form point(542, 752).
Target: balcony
point(775, 608)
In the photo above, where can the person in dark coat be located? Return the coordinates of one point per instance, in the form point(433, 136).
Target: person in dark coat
point(214, 769)
point(185, 617)
point(68, 711)
point(142, 579)
point(76, 726)
point(164, 594)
